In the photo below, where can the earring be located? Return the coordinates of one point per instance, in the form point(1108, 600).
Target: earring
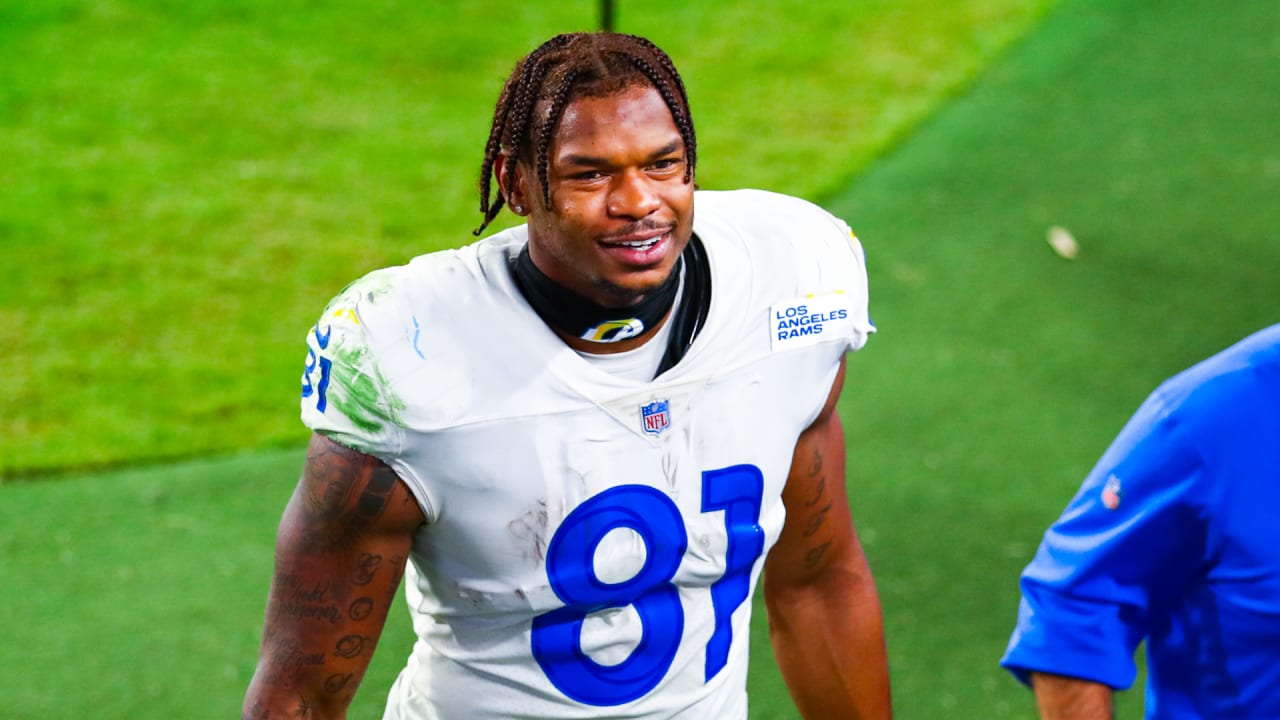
point(518, 209)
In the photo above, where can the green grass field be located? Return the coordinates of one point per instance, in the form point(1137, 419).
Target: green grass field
point(187, 183)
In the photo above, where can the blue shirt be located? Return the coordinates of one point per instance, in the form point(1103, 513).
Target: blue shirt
point(1173, 538)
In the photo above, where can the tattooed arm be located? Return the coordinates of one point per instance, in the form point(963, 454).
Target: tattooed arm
point(340, 554)
point(824, 613)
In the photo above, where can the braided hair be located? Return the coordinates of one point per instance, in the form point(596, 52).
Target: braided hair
point(561, 70)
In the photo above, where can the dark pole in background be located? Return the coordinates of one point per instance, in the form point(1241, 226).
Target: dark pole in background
point(606, 15)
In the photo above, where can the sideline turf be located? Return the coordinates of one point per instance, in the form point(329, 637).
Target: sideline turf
point(1002, 371)
point(186, 184)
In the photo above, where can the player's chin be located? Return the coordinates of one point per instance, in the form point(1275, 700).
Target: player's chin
point(628, 288)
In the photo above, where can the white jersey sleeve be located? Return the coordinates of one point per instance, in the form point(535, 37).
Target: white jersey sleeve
point(804, 259)
point(840, 264)
point(345, 395)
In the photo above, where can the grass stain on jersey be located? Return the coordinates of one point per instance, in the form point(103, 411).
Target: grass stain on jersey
point(364, 396)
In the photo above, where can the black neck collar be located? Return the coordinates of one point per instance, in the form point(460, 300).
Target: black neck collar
point(580, 317)
point(571, 313)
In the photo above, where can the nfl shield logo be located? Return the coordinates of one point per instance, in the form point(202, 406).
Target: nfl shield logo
point(656, 416)
point(1112, 493)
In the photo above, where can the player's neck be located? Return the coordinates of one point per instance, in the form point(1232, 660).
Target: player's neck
point(619, 346)
point(587, 326)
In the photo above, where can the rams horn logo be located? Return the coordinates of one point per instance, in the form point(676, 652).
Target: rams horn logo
point(614, 330)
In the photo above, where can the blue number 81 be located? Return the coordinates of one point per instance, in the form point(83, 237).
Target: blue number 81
point(557, 635)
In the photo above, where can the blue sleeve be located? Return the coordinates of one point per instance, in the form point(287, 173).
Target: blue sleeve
point(1125, 546)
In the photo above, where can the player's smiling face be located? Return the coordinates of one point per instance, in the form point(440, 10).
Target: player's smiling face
point(621, 212)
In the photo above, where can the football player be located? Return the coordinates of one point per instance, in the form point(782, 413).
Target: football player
point(583, 440)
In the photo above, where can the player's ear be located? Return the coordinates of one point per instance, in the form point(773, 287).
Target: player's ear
point(515, 193)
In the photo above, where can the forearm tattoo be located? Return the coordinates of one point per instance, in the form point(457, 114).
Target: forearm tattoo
point(360, 608)
point(350, 646)
point(296, 600)
point(259, 711)
point(337, 682)
point(291, 660)
point(814, 556)
point(816, 521)
point(322, 629)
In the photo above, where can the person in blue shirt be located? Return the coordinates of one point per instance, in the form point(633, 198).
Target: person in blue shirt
point(1174, 538)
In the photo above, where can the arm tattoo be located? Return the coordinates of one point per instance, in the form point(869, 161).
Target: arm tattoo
point(814, 471)
point(333, 474)
point(382, 482)
point(814, 556)
point(816, 521)
point(292, 661)
point(819, 492)
point(300, 601)
point(397, 566)
point(349, 646)
point(369, 565)
point(360, 609)
point(335, 683)
point(815, 465)
point(336, 473)
point(397, 574)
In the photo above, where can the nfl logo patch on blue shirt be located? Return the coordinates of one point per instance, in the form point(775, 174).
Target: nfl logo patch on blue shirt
point(1112, 493)
point(656, 416)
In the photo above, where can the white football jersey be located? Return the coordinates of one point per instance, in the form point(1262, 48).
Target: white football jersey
point(592, 542)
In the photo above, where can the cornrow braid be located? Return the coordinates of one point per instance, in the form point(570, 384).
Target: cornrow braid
point(523, 103)
point(504, 109)
point(679, 112)
point(562, 69)
point(491, 152)
point(678, 100)
point(559, 99)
